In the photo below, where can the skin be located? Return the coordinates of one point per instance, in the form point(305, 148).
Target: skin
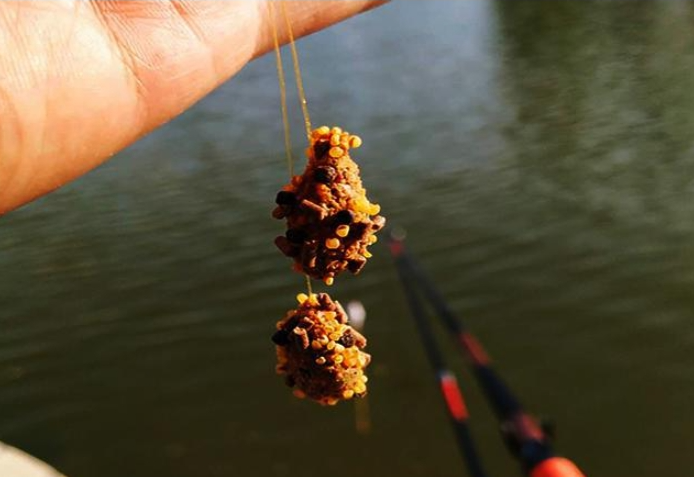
point(80, 81)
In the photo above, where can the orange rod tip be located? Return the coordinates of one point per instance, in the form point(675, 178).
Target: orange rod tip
point(556, 467)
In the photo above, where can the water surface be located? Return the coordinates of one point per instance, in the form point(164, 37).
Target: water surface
point(540, 155)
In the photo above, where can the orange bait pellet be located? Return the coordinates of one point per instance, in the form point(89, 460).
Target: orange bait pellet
point(332, 243)
point(343, 230)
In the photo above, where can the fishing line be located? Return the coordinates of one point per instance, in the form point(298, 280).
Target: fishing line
point(283, 93)
point(308, 285)
point(297, 73)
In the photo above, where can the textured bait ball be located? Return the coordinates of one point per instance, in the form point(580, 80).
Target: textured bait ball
point(319, 353)
point(330, 221)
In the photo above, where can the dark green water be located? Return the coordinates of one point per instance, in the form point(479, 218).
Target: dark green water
point(540, 154)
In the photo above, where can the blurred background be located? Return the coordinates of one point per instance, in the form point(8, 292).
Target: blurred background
point(540, 155)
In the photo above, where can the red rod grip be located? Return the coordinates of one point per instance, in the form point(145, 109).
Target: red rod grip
point(453, 396)
point(556, 467)
point(528, 427)
point(474, 349)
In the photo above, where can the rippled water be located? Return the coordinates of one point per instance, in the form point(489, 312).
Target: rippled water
point(541, 156)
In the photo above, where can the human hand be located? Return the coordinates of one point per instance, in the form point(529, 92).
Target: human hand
point(80, 80)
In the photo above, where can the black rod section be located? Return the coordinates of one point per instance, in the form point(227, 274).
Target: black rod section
point(522, 433)
point(451, 393)
point(501, 398)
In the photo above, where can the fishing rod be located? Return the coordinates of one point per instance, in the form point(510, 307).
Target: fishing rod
point(448, 385)
point(524, 435)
